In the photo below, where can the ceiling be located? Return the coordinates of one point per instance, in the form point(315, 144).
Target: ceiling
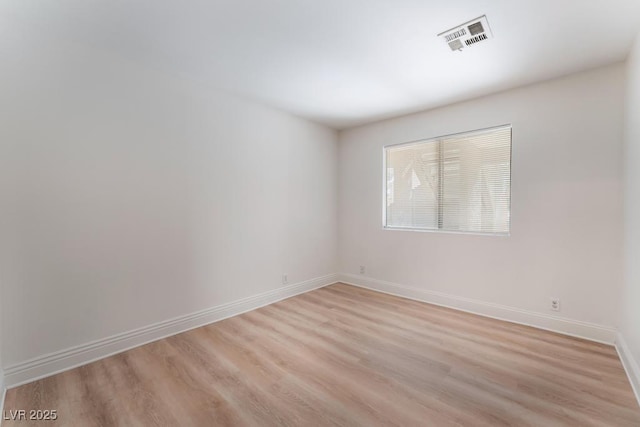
point(344, 62)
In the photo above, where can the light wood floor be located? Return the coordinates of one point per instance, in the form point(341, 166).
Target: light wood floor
point(345, 356)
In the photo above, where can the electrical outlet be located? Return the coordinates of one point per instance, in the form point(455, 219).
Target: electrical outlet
point(555, 304)
point(285, 279)
point(363, 270)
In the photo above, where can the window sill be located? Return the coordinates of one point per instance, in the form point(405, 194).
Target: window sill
point(426, 230)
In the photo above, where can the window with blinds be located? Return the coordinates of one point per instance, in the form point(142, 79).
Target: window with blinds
point(453, 183)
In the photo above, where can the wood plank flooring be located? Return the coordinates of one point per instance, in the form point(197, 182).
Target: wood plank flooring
point(345, 356)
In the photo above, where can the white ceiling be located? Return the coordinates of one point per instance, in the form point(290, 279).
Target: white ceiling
point(344, 62)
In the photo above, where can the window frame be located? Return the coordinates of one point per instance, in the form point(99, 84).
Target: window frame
point(435, 139)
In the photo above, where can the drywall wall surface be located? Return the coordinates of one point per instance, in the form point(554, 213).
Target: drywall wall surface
point(566, 205)
point(630, 327)
point(130, 197)
point(2, 382)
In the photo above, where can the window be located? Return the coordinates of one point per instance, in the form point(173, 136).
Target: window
point(453, 183)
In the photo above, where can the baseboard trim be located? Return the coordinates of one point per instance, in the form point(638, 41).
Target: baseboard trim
point(64, 360)
point(574, 328)
point(630, 364)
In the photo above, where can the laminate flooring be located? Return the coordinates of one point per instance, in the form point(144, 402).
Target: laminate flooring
point(342, 355)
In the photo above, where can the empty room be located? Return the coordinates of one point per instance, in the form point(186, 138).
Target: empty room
point(319, 213)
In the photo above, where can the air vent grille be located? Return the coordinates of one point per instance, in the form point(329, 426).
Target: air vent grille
point(456, 35)
point(468, 34)
point(475, 39)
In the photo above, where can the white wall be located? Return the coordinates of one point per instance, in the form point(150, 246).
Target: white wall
point(132, 197)
point(566, 232)
point(630, 327)
point(1, 370)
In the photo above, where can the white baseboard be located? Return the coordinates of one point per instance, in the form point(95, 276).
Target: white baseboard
point(561, 325)
point(64, 360)
point(631, 366)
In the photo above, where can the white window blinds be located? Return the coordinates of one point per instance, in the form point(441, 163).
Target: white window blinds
point(453, 183)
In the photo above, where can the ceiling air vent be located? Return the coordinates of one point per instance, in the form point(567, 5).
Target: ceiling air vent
point(468, 34)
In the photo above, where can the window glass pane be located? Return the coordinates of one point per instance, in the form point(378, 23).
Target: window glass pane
point(455, 183)
point(476, 183)
point(412, 186)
